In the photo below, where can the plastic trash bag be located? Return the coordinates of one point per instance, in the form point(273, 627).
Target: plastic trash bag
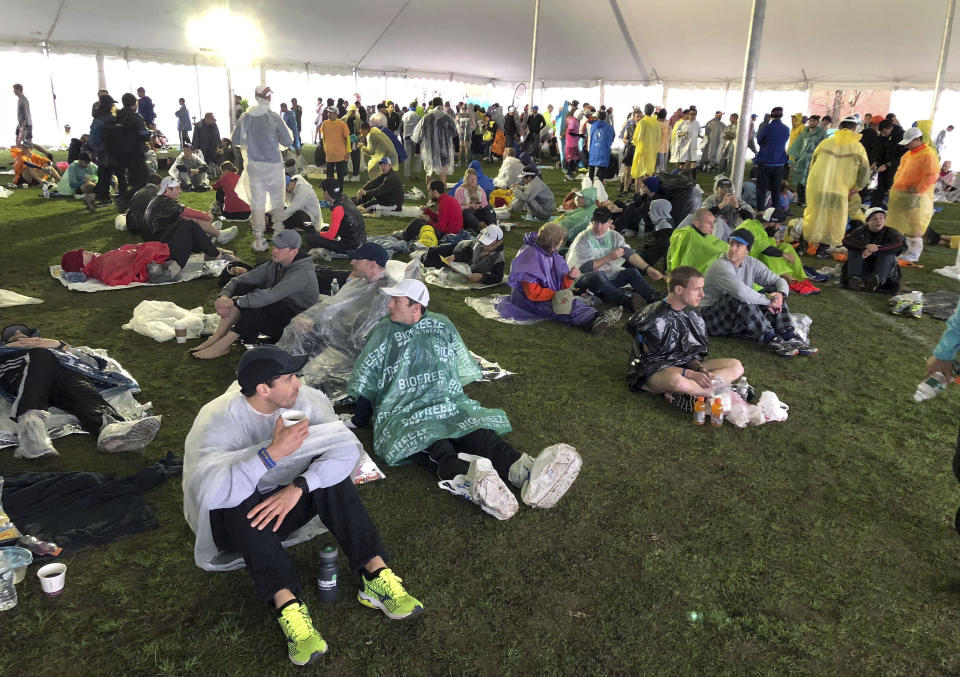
point(156, 319)
point(801, 325)
point(771, 406)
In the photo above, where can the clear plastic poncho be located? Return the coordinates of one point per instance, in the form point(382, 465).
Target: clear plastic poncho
point(839, 165)
point(413, 375)
point(221, 468)
point(260, 133)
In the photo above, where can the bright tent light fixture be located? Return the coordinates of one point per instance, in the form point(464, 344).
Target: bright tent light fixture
point(235, 38)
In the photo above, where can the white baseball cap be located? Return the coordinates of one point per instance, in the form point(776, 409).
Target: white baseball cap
point(490, 234)
point(263, 91)
point(415, 290)
point(167, 183)
point(910, 135)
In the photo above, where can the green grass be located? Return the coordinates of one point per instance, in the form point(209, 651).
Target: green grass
point(822, 545)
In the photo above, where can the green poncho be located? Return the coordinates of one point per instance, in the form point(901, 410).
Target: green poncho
point(689, 248)
point(778, 264)
point(577, 220)
point(413, 375)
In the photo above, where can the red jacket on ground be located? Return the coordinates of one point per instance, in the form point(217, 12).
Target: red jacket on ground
point(127, 264)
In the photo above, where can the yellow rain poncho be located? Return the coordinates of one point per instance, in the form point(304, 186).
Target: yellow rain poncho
point(839, 165)
point(796, 121)
point(646, 143)
point(911, 196)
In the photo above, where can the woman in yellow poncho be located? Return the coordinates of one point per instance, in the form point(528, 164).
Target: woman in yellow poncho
point(646, 144)
point(797, 126)
point(839, 166)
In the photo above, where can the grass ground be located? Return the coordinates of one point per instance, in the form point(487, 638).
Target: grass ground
point(822, 545)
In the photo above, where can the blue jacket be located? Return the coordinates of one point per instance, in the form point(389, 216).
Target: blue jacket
point(772, 140)
point(601, 138)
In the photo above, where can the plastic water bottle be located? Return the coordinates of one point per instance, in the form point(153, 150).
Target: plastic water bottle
point(8, 593)
point(743, 387)
point(930, 387)
point(327, 574)
point(334, 286)
point(46, 189)
point(699, 411)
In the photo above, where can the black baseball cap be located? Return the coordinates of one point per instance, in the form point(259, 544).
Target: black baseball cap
point(332, 186)
point(372, 252)
point(601, 215)
point(262, 364)
point(743, 236)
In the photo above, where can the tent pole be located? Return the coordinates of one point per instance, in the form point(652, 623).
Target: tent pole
point(749, 80)
point(602, 90)
point(230, 105)
point(263, 73)
point(944, 52)
point(533, 47)
point(53, 91)
point(196, 75)
point(101, 74)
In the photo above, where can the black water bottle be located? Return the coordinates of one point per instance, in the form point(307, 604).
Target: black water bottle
point(327, 574)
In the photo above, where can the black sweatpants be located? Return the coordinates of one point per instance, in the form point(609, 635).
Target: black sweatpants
point(412, 231)
point(474, 220)
point(184, 238)
point(312, 240)
point(339, 508)
point(884, 182)
point(441, 456)
point(338, 168)
point(298, 220)
point(268, 320)
point(656, 246)
point(39, 381)
point(769, 178)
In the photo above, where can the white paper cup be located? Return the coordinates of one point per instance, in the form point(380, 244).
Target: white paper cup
point(52, 578)
point(180, 330)
point(292, 417)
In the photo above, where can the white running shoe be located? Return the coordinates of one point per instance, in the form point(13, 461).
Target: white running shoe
point(552, 474)
point(227, 235)
point(259, 245)
point(33, 440)
point(483, 486)
point(127, 435)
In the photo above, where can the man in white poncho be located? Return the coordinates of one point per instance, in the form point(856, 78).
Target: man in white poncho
point(436, 133)
point(253, 484)
point(260, 133)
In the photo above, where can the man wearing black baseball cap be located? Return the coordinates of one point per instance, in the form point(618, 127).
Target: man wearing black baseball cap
point(731, 307)
point(263, 300)
point(261, 464)
point(778, 257)
point(346, 231)
point(385, 189)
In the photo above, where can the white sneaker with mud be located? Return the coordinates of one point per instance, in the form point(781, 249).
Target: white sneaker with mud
point(259, 245)
point(127, 435)
point(227, 235)
point(483, 486)
point(33, 440)
point(552, 474)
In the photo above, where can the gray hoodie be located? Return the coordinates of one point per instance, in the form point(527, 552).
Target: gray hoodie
point(273, 282)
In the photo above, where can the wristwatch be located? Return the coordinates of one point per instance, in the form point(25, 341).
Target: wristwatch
point(300, 483)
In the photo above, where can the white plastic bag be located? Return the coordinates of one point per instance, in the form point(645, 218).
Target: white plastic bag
point(156, 319)
point(801, 325)
point(771, 406)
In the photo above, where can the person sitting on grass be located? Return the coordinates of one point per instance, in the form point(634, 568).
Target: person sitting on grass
point(510, 170)
point(231, 206)
point(473, 202)
point(346, 230)
point(252, 487)
point(265, 299)
point(577, 220)
point(728, 210)
point(190, 169)
point(186, 230)
point(39, 373)
point(146, 262)
point(537, 274)
point(731, 306)
point(386, 189)
point(533, 195)
point(302, 205)
point(483, 254)
point(409, 379)
point(80, 180)
point(670, 345)
point(778, 257)
point(447, 220)
point(872, 251)
point(657, 242)
point(695, 245)
point(607, 265)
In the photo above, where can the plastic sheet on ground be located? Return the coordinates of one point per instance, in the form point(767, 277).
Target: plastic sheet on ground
point(768, 408)
point(801, 325)
point(155, 319)
point(941, 303)
point(449, 279)
point(61, 423)
point(408, 211)
point(486, 306)
point(492, 371)
point(196, 267)
point(5, 192)
point(11, 298)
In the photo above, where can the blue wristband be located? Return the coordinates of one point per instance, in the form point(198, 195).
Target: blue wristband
point(265, 457)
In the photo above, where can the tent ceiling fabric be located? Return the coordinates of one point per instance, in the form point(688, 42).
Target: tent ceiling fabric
point(820, 41)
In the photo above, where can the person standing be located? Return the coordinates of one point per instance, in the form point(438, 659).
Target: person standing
point(911, 196)
point(437, 134)
point(713, 130)
point(336, 137)
point(260, 132)
point(145, 108)
point(183, 123)
point(688, 139)
point(409, 123)
point(602, 138)
point(290, 120)
point(646, 145)
point(801, 152)
point(24, 120)
point(772, 158)
point(206, 139)
point(298, 113)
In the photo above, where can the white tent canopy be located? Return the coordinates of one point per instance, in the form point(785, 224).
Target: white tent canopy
point(817, 42)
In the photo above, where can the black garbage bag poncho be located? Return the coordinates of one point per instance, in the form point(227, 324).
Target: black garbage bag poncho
point(663, 337)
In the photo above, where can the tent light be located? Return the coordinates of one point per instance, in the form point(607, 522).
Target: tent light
point(236, 38)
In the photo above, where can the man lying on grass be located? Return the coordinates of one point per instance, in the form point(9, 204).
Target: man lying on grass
point(410, 379)
point(252, 486)
point(670, 344)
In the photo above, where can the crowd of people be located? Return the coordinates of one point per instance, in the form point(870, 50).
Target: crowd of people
point(254, 484)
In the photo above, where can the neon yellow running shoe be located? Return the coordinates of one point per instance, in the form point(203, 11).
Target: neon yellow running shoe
point(386, 593)
point(304, 643)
